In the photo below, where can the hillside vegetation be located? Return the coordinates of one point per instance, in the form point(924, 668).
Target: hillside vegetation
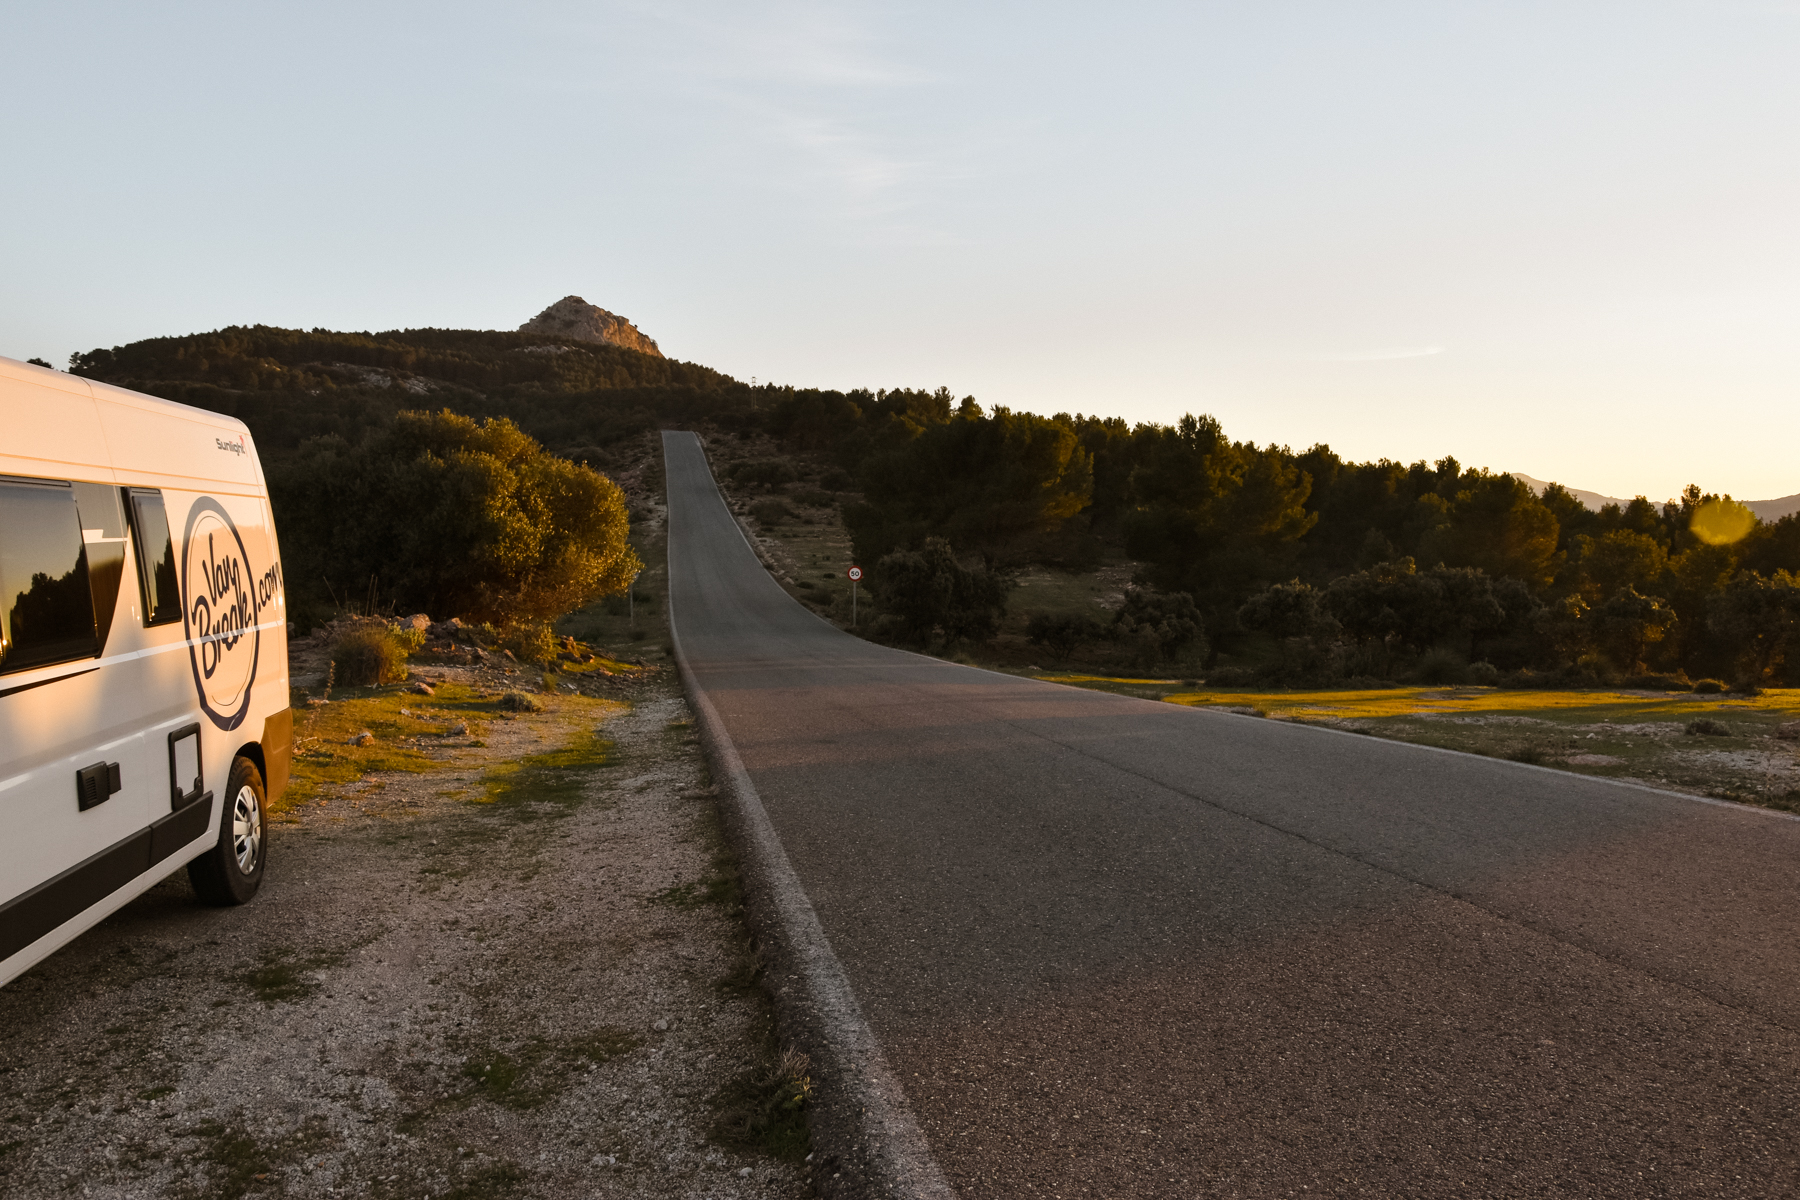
point(1251, 561)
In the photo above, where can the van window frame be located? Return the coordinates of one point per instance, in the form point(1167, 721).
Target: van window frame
point(93, 648)
point(145, 566)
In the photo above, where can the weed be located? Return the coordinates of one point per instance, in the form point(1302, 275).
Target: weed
point(765, 1108)
point(1533, 755)
point(1706, 728)
point(155, 1093)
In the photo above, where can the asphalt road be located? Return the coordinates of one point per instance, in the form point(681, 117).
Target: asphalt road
point(1119, 948)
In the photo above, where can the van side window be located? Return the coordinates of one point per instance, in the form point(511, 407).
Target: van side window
point(103, 532)
point(155, 557)
point(46, 606)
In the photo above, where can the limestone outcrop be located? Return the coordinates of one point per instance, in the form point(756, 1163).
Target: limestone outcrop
point(576, 319)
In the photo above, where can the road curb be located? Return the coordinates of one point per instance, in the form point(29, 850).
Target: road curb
point(866, 1141)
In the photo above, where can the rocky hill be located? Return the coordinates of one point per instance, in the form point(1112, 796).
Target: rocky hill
point(575, 319)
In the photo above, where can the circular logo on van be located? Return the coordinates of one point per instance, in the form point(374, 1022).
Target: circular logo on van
point(223, 640)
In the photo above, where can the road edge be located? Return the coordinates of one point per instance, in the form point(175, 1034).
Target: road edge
point(863, 1128)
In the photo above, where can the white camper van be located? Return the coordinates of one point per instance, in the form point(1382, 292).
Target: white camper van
point(144, 720)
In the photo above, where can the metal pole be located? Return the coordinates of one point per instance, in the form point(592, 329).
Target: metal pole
point(853, 604)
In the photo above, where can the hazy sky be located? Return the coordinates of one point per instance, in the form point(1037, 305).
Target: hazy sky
point(1557, 238)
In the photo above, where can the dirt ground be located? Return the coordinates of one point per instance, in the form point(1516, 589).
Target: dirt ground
point(515, 968)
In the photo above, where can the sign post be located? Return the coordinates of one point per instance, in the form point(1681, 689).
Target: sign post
point(855, 573)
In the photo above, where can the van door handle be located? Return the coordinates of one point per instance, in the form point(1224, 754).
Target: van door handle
point(96, 784)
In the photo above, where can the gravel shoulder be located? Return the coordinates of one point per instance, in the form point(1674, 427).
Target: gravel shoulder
point(523, 972)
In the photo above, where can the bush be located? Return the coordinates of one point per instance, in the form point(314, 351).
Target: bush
point(1442, 667)
point(1705, 727)
point(369, 654)
point(530, 641)
point(768, 473)
point(928, 590)
point(1658, 683)
point(1710, 687)
point(1061, 635)
point(448, 516)
point(771, 512)
point(1159, 625)
point(1484, 674)
point(837, 481)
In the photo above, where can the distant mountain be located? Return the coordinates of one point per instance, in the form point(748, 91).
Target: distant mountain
point(1766, 510)
point(576, 319)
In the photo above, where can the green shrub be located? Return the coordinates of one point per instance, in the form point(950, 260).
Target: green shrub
point(438, 513)
point(771, 512)
point(1484, 674)
point(1442, 668)
point(369, 654)
point(530, 641)
point(1709, 687)
point(1061, 635)
point(928, 590)
point(1706, 727)
point(1154, 626)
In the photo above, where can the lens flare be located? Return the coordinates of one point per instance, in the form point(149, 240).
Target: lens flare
point(1721, 522)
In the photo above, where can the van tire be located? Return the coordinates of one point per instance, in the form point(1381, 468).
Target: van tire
point(232, 871)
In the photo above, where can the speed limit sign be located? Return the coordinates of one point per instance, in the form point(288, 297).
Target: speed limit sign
point(855, 573)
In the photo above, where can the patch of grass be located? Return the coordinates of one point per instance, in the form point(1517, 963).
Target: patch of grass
point(1533, 755)
point(238, 1164)
point(1706, 727)
point(559, 776)
point(764, 1109)
point(535, 1071)
point(323, 754)
point(282, 977)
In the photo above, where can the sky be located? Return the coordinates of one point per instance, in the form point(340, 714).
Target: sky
point(1555, 238)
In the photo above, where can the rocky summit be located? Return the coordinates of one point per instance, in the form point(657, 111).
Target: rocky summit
point(572, 317)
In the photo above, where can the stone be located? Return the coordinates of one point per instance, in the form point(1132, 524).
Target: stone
point(365, 738)
point(1788, 731)
point(421, 688)
point(576, 320)
point(418, 621)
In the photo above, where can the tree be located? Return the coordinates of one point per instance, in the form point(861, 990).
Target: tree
point(1495, 523)
point(981, 482)
point(1215, 518)
point(928, 591)
point(1629, 623)
point(1761, 617)
point(1619, 559)
point(456, 518)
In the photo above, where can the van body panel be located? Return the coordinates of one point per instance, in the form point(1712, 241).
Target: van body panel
point(278, 751)
point(89, 746)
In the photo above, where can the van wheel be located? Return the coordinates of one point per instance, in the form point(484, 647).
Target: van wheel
point(232, 870)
